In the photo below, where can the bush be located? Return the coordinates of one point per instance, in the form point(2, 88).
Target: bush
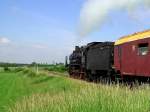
point(6, 69)
point(31, 73)
point(57, 68)
point(28, 72)
point(25, 71)
point(18, 69)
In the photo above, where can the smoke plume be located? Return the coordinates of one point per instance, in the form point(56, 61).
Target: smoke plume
point(94, 13)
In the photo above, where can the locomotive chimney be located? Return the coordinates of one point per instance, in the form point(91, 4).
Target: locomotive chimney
point(77, 48)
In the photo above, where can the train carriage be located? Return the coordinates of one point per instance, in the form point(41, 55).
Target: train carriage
point(132, 55)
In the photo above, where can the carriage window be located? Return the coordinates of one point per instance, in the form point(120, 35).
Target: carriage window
point(143, 49)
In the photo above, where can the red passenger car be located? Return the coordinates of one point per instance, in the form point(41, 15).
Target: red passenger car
point(132, 55)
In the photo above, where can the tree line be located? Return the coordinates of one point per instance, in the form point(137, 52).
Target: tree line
point(3, 64)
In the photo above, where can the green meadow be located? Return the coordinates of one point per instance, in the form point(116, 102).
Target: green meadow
point(52, 92)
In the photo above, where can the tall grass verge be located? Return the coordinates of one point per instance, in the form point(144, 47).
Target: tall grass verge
point(89, 98)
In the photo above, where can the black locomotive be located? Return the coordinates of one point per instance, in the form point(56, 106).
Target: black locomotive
point(93, 61)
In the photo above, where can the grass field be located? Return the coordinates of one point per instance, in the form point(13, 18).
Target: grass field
point(20, 93)
point(14, 86)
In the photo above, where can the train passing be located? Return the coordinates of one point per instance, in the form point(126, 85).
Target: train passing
point(127, 58)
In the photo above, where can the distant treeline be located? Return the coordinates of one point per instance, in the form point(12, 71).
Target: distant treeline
point(12, 64)
point(2, 64)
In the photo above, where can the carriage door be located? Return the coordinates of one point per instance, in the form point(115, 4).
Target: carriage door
point(142, 62)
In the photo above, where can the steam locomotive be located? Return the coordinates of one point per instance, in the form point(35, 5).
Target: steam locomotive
point(127, 58)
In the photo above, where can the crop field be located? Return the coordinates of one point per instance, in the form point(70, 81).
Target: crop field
point(48, 92)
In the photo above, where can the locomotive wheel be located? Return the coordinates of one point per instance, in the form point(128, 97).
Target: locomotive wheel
point(88, 76)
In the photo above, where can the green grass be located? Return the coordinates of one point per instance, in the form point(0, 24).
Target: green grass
point(14, 86)
point(1, 69)
point(21, 93)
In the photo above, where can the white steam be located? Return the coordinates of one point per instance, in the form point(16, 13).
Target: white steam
point(95, 12)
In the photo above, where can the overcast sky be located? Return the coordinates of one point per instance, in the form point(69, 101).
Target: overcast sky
point(47, 30)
